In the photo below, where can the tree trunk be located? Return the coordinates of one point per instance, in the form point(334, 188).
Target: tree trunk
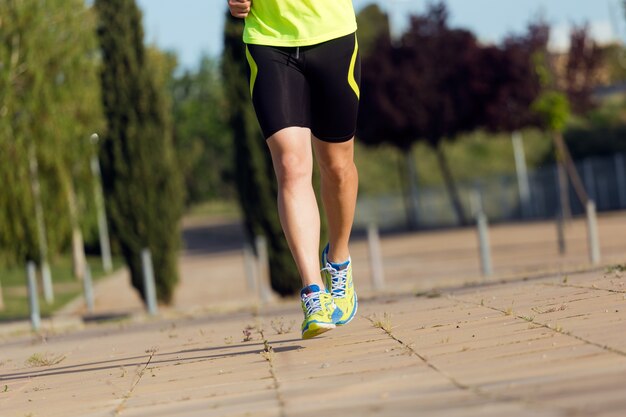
point(566, 211)
point(566, 158)
point(453, 192)
point(78, 248)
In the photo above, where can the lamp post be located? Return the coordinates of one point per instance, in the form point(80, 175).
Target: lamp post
point(103, 230)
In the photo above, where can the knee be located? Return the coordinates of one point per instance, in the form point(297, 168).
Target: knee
point(338, 170)
point(292, 170)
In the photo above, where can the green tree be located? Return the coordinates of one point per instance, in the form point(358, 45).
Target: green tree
point(49, 105)
point(202, 136)
point(255, 178)
point(140, 176)
point(553, 108)
point(373, 24)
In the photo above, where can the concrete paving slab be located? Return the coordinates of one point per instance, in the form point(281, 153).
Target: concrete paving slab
point(507, 348)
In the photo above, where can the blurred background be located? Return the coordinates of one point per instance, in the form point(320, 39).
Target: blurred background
point(516, 110)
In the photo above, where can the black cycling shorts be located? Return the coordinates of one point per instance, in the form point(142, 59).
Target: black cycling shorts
point(316, 87)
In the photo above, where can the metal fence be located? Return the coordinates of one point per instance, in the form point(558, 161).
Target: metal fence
point(604, 179)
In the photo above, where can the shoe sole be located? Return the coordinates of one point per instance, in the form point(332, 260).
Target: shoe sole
point(317, 329)
point(349, 319)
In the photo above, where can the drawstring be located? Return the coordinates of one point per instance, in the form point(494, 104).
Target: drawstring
point(298, 52)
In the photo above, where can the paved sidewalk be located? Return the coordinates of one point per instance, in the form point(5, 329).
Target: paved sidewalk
point(547, 347)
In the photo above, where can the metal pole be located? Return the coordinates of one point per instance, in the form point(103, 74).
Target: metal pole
point(103, 230)
point(522, 174)
point(250, 266)
point(592, 233)
point(560, 233)
point(476, 201)
point(263, 268)
point(590, 181)
point(33, 301)
point(483, 242)
point(148, 282)
point(46, 278)
point(88, 288)
point(376, 261)
point(620, 173)
point(41, 227)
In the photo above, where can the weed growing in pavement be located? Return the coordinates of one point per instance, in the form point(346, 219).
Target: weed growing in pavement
point(616, 268)
point(247, 333)
point(383, 323)
point(45, 359)
point(267, 352)
point(228, 340)
point(280, 327)
point(508, 311)
point(429, 294)
point(550, 310)
point(565, 278)
point(528, 318)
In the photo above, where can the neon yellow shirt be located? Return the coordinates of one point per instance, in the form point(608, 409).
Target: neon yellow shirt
point(298, 22)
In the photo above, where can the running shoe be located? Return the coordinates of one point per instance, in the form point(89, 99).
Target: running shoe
point(338, 277)
point(320, 311)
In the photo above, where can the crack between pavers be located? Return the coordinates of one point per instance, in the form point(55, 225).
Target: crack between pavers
point(473, 388)
point(547, 326)
point(583, 287)
point(268, 354)
point(126, 397)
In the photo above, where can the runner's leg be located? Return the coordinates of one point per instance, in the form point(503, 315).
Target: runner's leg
point(297, 206)
point(339, 181)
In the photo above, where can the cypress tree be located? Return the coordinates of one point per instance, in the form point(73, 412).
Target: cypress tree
point(142, 184)
point(254, 173)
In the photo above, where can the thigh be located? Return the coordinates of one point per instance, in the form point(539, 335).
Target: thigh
point(280, 92)
point(334, 74)
point(333, 155)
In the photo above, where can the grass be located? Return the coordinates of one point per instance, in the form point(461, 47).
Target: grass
point(473, 156)
point(383, 322)
point(281, 327)
point(225, 209)
point(43, 359)
point(66, 287)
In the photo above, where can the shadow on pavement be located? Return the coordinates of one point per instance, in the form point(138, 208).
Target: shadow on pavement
point(117, 363)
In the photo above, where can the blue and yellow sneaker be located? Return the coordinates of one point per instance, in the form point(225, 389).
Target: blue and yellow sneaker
point(320, 311)
point(338, 277)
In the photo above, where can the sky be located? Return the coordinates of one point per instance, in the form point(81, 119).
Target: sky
point(194, 27)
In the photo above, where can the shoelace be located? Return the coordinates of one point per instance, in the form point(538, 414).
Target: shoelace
point(339, 277)
point(312, 303)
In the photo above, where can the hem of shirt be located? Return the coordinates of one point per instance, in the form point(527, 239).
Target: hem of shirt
point(271, 41)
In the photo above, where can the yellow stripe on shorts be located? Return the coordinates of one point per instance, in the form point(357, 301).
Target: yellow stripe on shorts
point(353, 84)
point(254, 70)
